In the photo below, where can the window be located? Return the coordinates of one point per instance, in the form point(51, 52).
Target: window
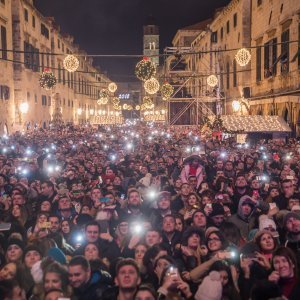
point(227, 27)
point(270, 57)
point(49, 101)
point(35, 99)
point(227, 75)
point(44, 100)
point(235, 20)
point(58, 44)
point(59, 72)
point(285, 53)
point(259, 2)
point(214, 37)
point(234, 74)
point(3, 42)
point(2, 1)
point(64, 102)
point(4, 92)
point(33, 21)
point(26, 14)
point(45, 31)
point(270, 17)
point(31, 57)
point(63, 47)
point(258, 64)
point(222, 33)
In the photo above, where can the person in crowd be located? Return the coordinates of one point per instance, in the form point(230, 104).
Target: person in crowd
point(86, 285)
point(98, 198)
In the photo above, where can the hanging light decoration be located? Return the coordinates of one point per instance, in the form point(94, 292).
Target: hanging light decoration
point(129, 107)
point(103, 93)
point(236, 105)
point(212, 80)
point(166, 90)
point(115, 100)
point(71, 63)
point(145, 69)
point(151, 86)
point(104, 100)
point(47, 80)
point(147, 100)
point(112, 87)
point(137, 107)
point(99, 101)
point(125, 106)
point(243, 57)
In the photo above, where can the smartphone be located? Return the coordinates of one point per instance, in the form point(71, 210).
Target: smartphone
point(172, 271)
point(104, 199)
point(46, 225)
point(5, 226)
point(122, 196)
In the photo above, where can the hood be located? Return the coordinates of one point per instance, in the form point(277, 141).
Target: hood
point(245, 199)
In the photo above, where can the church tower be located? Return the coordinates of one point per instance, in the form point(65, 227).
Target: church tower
point(151, 40)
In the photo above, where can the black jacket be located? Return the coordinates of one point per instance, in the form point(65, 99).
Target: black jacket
point(99, 282)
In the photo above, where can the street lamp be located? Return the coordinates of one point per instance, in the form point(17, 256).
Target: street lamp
point(79, 111)
point(24, 107)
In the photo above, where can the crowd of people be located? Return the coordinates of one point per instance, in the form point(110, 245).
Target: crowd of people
point(146, 212)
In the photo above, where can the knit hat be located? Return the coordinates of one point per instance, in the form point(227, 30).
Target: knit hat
point(265, 223)
point(290, 215)
point(57, 255)
point(210, 288)
point(32, 248)
point(164, 194)
point(217, 209)
point(14, 241)
point(209, 230)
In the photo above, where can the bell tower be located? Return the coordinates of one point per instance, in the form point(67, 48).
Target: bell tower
point(151, 40)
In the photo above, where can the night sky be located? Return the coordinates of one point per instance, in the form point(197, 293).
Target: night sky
point(115, 26)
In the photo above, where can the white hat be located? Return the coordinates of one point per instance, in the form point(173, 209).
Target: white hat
point(265, 223)
point(210, 288)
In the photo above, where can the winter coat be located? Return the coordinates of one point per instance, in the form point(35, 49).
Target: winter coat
point(94, 288)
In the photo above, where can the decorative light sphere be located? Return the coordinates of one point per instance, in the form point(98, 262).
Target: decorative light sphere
point(104, 100)
point(236, 105)
point(24, 107)
point(99, 101)
point(243, 57)
point(212, 80)
point(47, 80)
point(112, 87)
point(166, 90)
point(125, 106)
point(151, 86)
point(71, 63)
point(145, 69)
point(147, 99)
point(137, 107)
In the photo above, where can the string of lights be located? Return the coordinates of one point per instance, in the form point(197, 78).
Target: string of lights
point(141, 55)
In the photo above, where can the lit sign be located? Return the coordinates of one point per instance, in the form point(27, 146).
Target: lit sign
point(124, 96)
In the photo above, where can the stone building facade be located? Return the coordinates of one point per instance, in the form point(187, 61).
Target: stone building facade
point(39, 44)
point(275, 64)
point(269, 84)
point(6, 68)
